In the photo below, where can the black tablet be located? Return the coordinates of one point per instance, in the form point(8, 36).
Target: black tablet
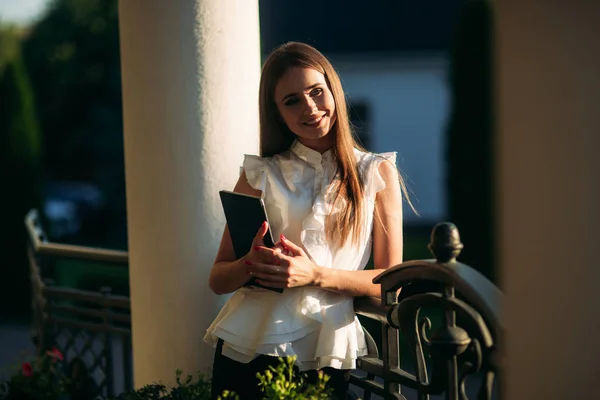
point(244, 215)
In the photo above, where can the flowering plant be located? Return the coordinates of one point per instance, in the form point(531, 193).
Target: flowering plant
point(42, 378)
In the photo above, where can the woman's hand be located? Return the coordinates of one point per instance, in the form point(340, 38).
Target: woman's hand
point(255, 255)
point(287, 265)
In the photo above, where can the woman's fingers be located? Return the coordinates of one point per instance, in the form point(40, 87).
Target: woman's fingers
point(288, 244)
point(274, 255)
point(268, 271)
point(280, 254)
point(259, 243)
point(279, 247)
point(259, 238)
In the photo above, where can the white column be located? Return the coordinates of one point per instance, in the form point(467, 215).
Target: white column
point(548, 66)
point(190, 73)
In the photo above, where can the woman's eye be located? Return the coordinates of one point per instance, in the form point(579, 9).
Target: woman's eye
point(316, 92)
point(291, 101)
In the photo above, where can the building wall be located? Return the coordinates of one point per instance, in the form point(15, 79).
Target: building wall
point(407, 103)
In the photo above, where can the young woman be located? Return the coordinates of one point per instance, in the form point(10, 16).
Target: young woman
point(329, 204)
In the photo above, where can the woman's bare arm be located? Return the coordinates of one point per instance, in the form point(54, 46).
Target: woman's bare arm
point(229, 273)
point(387, 242)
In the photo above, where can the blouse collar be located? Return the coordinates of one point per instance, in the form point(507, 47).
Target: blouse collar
point(311, 156)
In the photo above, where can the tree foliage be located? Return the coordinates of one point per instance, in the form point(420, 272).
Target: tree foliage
point(72, 55)
point(20, 149)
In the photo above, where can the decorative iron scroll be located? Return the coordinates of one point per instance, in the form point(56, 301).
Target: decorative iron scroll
point(460, 340)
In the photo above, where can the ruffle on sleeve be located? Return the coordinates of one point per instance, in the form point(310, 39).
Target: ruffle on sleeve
point(376, 182)
point(256, 171)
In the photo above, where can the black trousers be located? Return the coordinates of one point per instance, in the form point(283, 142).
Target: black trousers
point(241, 378)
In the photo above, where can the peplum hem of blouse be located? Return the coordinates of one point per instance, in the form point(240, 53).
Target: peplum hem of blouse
point(319, 326)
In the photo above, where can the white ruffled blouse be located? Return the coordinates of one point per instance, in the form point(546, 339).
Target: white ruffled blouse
point(319, 327)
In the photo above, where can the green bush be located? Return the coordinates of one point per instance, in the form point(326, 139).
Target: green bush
point(188, 389)
point(283, 383)
point(276, 383)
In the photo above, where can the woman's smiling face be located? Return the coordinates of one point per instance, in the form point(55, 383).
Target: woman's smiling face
point(307, 107)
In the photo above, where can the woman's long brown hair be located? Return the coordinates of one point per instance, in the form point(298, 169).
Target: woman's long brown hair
point(275, 136)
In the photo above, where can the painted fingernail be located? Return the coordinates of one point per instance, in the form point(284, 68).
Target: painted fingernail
point(256, 248)
point(248, 262)
point(283, 237)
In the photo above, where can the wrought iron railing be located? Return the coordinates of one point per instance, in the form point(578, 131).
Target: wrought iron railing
point(444, 314)
point(464, 343)
point(91, 328)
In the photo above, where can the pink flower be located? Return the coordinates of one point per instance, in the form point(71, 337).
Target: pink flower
point(55, 354)
point(27, 369)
